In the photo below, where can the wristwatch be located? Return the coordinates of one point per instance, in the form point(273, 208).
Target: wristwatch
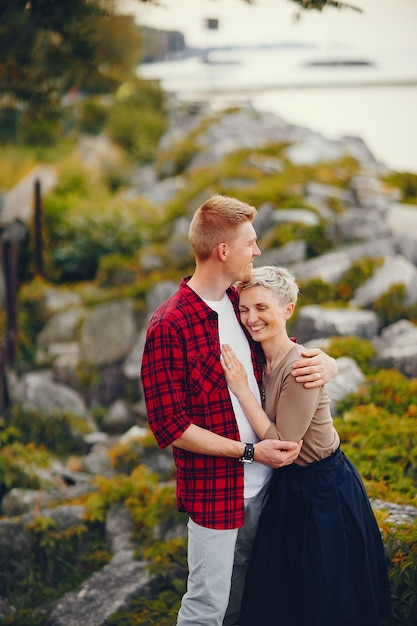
point(248, 454)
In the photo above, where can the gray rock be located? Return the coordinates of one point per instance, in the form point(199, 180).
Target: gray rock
point(302, 216)
point(397, 348)
point(6, 608)
point(348, 380)
point(178, 248)
point(107, 333)
point(18, 203)
point(286, 255)
point(118, 418)
point(370, 194)
point(322, 194)
point(359, 225)
point(396, 270)
point(107, 591)
point(159, 293)
point(331, 266)
point(316, 321)
point(402, 219)
point(97, 462)
point(163, 190)
point(37, 391)
point(119, 529)
point(57, 299)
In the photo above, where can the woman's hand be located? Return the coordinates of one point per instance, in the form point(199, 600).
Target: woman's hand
point(316, 369)
point(234, 371)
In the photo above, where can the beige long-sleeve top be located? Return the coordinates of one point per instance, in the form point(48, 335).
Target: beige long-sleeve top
point(299, 413)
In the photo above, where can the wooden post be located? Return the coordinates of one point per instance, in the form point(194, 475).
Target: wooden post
point(38, 230)
point(10, 275)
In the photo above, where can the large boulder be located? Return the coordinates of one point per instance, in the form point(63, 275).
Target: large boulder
point(315, 321)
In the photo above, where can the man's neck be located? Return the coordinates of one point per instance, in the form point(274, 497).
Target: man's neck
point(208, 287)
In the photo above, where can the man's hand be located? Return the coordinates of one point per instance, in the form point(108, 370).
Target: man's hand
point(275, 453)
point(316, 369)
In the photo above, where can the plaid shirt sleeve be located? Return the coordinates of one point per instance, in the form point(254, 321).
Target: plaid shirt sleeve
point(164, 381)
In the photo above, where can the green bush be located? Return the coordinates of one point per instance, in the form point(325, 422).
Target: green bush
point(31, 318)
point(138, 119)
point(18, 464)
point(8, 124)
point(405, 181)
point(392, 306)
point(359, 272)
point(359, 349)
point(61, 433)
point(85, 223)
point(37, 132)
point(401, 544)
point(315, 291)
point(92, 116)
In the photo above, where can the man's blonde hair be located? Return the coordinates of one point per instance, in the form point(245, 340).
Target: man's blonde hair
point(215, 222)
point(277, 279)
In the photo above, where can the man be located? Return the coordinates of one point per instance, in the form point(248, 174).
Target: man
point(222, 467)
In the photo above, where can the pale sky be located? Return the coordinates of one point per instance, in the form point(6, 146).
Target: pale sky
point(388, 23)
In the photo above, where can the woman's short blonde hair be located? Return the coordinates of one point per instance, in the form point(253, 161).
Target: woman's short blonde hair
point(277, 279)
point(216, 221)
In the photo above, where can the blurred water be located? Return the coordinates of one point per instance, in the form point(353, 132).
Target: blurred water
point(376, 101)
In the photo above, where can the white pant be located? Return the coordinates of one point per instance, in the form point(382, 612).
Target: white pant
point(215, 567)
point(210, 563)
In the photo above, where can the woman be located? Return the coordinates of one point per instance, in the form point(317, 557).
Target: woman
point(318, 558)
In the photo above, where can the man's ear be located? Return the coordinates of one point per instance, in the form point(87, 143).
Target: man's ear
point(222, 251)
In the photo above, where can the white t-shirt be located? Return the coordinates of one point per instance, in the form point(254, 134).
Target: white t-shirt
point(231, 332)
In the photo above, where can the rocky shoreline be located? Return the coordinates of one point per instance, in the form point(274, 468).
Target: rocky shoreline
point(110, 335)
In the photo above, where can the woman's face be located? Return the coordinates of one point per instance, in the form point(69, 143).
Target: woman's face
point(261, 313)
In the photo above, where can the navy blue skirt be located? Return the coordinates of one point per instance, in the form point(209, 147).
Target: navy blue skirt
point(318, 557)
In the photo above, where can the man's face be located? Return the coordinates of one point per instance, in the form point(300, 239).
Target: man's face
point(241, 252)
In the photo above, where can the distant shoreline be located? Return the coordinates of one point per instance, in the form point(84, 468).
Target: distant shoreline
point(242, 91)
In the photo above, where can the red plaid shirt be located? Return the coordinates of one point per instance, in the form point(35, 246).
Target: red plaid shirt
point(184, 384)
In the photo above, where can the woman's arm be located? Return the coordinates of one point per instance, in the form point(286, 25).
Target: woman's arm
point(238, 383)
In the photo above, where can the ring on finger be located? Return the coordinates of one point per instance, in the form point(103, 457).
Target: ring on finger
point(229, 367)
point(318, 375)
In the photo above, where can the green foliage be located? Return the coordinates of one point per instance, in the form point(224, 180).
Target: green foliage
point(401, 544)
point(30, 318)
point(317, 240)
point(405, 181)
point(315, 291)
point(388, 389)
point(25, 617)
point(8, 124)
point(359, 272)
point(392, 307)
point(60, 559)
point(116, 269)
point(51, 48)
point(162, 608)
point(59, 433)
point(15, 164)
point(86, 222)
point(378, 432)
point(34, 130)
point(138, 119)
point(167, 563)
point(18, 465)
point(359, 349)
point(92, 116)
point(150, 503)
